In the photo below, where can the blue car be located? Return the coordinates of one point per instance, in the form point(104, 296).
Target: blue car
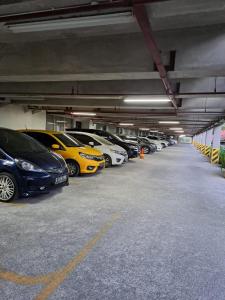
point(26, 167)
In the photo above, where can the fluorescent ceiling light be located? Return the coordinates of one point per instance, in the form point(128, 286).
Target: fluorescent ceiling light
point(83, 113)
point(176, 128)
point(144, 129)
point(72, 23)
point(60, 121)
point(126, 124)
point(146, 99)
point(169, 122)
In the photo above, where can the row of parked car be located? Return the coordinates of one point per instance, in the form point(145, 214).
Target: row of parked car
point(35, 161)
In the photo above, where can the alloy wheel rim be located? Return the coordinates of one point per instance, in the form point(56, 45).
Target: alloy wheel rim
point(7, 188)
point(72, 169)
point(107, 161)
point(146, 150)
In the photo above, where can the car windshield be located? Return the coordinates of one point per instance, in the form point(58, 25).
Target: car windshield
point(117, 137)
point(15, 143)
point(67, 140)
point(102, 140)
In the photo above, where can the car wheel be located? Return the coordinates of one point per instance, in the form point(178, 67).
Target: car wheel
point(73, 167)
point(108, 161)
point(8, 187)
point(146, 150)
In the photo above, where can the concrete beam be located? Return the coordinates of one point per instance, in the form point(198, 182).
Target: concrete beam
point(183, 74)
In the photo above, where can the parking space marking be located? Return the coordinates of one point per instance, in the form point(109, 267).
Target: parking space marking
point(53, 280)
point(12, 204)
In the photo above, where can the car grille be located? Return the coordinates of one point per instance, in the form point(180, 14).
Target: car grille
point(98, 158)
point(56, 170)
point(124, 153)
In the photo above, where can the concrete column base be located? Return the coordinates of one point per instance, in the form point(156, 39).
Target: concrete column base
point(215, 156)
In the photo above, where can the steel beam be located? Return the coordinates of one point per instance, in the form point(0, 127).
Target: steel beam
point(73, 9)
point(144, 23)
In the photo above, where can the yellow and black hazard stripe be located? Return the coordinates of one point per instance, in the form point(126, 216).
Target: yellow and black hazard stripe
point(215, 156)
point(207, 151)
point(203, 149)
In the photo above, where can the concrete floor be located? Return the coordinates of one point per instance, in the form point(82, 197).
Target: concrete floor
point(153, 229)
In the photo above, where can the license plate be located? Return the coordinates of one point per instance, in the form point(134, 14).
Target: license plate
point(61, 179)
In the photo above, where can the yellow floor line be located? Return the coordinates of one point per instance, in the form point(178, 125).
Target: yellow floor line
point(53, 280)
point(12, 204)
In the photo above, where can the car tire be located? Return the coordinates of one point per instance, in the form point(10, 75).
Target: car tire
point(146, 149)
point(73, 167)
point(108, 161)
point(8, 187)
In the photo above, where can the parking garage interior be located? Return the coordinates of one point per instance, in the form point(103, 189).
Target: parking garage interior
point(112, 149)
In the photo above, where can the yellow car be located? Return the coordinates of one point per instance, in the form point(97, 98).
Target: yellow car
point(79, 159)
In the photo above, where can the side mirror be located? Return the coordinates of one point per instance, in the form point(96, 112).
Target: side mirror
point(55, 147)
point(91, 144)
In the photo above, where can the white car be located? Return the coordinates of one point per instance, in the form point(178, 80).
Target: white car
point(114, 154)
point(163, 142)
point(156, 142)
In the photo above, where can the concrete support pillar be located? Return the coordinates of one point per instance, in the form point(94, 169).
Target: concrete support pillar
point(203, 142)
point(208, 142)
point(215, 155)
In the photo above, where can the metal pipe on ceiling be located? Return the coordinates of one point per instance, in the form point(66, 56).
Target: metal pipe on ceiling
point(145, 26)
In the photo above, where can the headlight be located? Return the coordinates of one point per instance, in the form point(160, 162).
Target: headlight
point(87, 156)
point(27, 166)
point(116, 151)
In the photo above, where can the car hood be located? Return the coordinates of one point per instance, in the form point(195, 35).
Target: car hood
point(45, 160)
point(116, 147)
point(89, 150)
point(132, 143)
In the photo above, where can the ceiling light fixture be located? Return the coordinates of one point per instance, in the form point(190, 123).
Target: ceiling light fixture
point(146, 99)
point(72, 23)
point(169, 122)
point(144, 129)
point(176, 128)
point(126, 124)
point(83, 113)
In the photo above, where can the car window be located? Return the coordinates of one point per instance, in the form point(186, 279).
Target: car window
point(43, 138)
point(2, 155)
point(117, 137)
point(14, 143)
point(85, 139)
point(68, 140)
point(132, 139)
point(103, 141)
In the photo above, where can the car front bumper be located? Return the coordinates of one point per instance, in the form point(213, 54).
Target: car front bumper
point(91, 166)
point(33, 184)
point(118, 159)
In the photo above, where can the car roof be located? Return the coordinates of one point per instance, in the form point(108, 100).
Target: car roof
point(41, 131)
point(84, 133)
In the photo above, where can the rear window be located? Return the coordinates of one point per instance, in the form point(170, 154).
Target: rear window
point(14, 143)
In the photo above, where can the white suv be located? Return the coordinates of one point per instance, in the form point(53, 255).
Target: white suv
point(114, 154)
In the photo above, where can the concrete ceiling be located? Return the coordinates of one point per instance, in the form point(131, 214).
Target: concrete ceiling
point(94, 68)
